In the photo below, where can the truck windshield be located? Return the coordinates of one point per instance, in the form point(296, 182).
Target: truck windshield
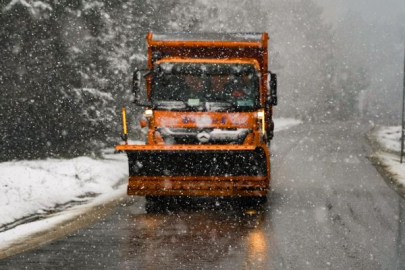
point(205, 86)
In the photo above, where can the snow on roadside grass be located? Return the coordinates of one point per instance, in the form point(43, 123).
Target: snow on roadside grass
point(388, 140)
point(30, 187)
point(31, 234)
point(395, 169)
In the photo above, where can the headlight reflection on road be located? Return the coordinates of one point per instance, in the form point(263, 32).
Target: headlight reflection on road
point(196, 236)
point(257, 250)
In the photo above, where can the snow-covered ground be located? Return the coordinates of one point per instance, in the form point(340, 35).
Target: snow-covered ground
point(31, 234)
point(389, 138)
point(35, 187)
point(38, 195)
point(38, 188)
point(388, 141)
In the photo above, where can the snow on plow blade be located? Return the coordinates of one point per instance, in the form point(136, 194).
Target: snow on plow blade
point(197, 170)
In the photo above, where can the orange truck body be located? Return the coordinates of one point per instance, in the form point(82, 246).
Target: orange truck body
point(220, 167)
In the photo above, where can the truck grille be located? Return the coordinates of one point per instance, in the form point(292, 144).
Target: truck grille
point(205, 136)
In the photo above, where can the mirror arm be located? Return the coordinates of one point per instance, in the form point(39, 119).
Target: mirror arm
point(136, 81)
point(273, 88)
point(149, 72)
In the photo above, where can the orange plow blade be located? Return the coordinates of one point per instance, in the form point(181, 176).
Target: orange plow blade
point(199, 170)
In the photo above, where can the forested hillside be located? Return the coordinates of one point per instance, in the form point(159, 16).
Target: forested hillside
point(66, 65)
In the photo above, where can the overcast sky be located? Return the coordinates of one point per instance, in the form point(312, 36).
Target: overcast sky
point(369, 9)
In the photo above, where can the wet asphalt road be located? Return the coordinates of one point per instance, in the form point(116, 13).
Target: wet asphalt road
point(328, 209)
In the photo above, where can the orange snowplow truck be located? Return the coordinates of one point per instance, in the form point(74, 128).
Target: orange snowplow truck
point(208, 114)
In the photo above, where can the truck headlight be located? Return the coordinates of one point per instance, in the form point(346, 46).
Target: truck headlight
point(148, 113)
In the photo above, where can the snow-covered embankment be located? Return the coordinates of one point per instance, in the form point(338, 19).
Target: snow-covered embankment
point(31, 188)
point(386, 141)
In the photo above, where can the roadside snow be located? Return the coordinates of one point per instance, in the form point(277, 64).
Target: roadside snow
point(389, 138)
point(27, 235)
point(32, 187)
point(388, 142)
point(395, 168)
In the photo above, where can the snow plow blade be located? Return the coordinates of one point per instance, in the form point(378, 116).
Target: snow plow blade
point(197, 170)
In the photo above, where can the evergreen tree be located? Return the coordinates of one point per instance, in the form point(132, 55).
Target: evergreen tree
point(67, 69)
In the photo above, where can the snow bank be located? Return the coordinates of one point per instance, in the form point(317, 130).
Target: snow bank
point(389, 138)
point(31, 234)
point(31, 187)
point(395, 169)
point(388, 142)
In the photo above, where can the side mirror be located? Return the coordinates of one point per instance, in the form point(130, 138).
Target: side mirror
point(136, 83)
point(273, 89)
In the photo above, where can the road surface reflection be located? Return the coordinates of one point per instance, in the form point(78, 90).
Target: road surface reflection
point(198, 235)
